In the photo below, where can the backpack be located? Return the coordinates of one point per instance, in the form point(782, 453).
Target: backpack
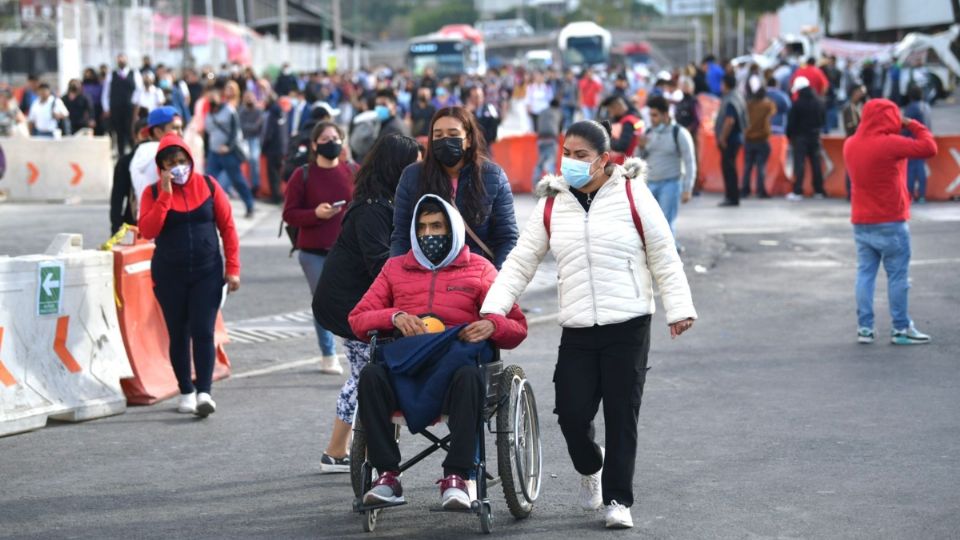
point(548, 214)
point(364, 133)
point(298, 155)
point(685, 112)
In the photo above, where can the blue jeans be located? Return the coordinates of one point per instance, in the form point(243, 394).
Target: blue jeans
point(253, 150)
point(228, 164)
point(917, 177)
point(755, 155)
point(888, 243)
point(569, 112)
point(312, 265)
point(546, 158)
point(667, 194)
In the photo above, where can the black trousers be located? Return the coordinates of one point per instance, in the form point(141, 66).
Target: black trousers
point(607, 363)
point(274, 168)
point(122, 123)
point(728, 165)
point(462, 404)
point(190, 302)
point(807, 147)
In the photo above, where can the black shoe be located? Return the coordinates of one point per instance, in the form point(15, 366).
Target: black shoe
point(249, 214)
point(763, 196)
point(726, 203)
point(745, 194)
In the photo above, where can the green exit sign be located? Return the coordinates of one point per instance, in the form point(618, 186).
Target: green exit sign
point(50, 288)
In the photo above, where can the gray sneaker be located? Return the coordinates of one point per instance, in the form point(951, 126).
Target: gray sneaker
point(909, 336)
point(866, 335)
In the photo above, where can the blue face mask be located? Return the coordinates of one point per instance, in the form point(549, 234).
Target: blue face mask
point(383, 113)
point(576, 172)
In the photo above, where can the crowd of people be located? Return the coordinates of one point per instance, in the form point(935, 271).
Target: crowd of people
point(393, 198)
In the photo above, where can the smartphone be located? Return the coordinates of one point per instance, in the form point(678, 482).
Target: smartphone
point(338, 204)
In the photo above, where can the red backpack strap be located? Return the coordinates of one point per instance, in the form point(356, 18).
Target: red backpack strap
point(634, 214)
point(548, 214)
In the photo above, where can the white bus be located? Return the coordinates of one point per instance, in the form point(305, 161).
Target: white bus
point(456, 49)
point(584, 44)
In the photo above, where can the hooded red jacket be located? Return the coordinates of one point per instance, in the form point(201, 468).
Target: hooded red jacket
point(153, 212)
point(876, 159)
point(454, 294)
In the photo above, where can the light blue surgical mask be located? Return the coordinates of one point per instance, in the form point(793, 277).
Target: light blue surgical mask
point(180, 174)
point(383, 113)
point(576, 172)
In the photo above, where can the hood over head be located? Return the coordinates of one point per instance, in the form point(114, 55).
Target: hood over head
point(799, 84)
point(172, 139)
point(457, 230)
point(880, 117)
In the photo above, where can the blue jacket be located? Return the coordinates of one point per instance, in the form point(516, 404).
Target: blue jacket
point(498, 231)
point(421, 367)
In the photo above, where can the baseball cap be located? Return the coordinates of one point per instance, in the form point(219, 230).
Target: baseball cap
point(161, 116)
point(799, 84)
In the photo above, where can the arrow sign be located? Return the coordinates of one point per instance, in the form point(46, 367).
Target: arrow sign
point(77, 174)
point(50, 288)
point(50, 284)
point(34, 173)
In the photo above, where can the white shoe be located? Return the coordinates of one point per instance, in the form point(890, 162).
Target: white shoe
point(205, 405)
point(794, 197)
point(591, 490)
point(618, 516)
point(330, 365)
point(188, 403)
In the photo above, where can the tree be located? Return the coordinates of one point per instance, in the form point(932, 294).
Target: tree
point(455, 12)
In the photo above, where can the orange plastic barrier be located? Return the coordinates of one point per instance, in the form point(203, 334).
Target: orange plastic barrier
point(517, 155)
point(144, 331)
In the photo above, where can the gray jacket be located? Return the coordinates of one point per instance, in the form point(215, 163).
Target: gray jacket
point(221, 127)
point(669, 158)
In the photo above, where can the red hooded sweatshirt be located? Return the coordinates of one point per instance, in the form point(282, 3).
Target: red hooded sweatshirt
point(876, 159)
point(188, 197)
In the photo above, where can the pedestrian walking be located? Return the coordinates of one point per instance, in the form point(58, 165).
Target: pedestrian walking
point(611, 241)
point(183, 212)
point(778, 124)
point(224, 146)
point(351, 267)
point(538, 97)
point(46, 113)
point(80, 108)
point(590, 88)
point(11, 118)
point(729, 125)
point(486, 115)
point(919, 110)
point(804, 123)
point(314, 201)
point(876, 158)
point(548, 133)
point(251, 124)
point(627, 127)
point(672, 163)
point(455, 169)
point(760, 112)
point(569, 95)
point(117, 102)
point(143, 166)
point(123, 200)
point(273, 144)
point(852, 112)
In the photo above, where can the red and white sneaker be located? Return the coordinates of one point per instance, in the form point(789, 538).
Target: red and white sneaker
point(453, 493)
point(386, 489)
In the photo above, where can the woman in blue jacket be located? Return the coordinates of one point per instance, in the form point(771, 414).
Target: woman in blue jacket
point(456, 169)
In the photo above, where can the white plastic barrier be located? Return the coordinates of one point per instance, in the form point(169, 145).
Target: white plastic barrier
point(62, 353)
point(57, 169)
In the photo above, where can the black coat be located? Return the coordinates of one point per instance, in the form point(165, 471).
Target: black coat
point(807, 116)
point(355, 260)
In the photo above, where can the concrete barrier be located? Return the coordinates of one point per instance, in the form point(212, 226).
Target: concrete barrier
point(62, 352)
point(58, 169)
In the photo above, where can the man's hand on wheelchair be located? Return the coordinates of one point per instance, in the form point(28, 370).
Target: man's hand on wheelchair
point(477, 332)
point(408, 325)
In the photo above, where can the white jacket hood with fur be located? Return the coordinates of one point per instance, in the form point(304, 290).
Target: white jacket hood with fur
point(604, 275)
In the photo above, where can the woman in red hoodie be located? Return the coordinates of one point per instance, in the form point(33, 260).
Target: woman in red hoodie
point(183, 211)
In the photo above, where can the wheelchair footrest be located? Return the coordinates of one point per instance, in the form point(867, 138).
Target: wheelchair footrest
point(358, 505)
point(453, 510)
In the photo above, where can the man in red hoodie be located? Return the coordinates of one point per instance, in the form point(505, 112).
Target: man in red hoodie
point(439, 276)
point(876, 159)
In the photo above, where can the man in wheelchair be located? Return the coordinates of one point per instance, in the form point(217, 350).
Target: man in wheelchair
point(441, 278)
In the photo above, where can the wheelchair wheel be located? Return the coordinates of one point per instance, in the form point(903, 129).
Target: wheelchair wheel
point(358, 456)
point(370, 520)
point(486, 518)
point(519, 454)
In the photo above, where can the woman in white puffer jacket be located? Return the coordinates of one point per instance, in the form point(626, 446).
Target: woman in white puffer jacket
point(609, 251)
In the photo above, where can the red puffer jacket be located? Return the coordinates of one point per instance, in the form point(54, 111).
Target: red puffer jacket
point(453, 293)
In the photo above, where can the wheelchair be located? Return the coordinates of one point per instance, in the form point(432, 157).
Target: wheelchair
point(509, 412)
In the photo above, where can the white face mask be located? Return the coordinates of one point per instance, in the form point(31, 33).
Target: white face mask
point(181, 174)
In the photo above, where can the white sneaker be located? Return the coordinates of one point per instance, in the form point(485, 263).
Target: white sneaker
point(205, 405)
point(591, 490)
point(794, 197)
point(188, 403)
point(330, 365)
point(618, 516)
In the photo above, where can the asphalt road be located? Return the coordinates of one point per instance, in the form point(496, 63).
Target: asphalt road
point(766, 420)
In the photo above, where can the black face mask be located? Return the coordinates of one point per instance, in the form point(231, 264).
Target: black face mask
point(330, 150)
point(435, 246)
point(449, 150)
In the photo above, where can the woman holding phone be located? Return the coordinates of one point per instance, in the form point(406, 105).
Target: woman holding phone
point(314, 201)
